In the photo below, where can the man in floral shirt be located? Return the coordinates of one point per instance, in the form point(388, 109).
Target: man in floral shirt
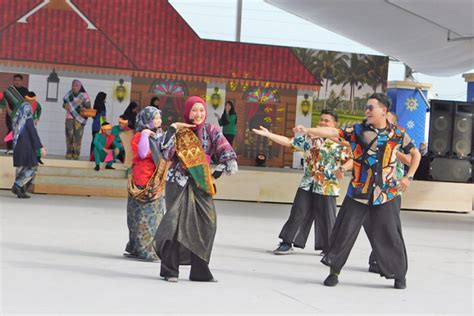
point(373, 192)
point(315, 200)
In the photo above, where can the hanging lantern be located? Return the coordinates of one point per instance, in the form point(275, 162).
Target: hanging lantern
point(52, 87)
point(215, 98)
point(305, 105)
point(120, 91)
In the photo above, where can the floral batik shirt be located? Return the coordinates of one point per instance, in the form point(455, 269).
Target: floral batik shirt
point(322, 157)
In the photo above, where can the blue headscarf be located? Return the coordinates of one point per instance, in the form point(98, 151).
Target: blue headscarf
point(145, 121)
point(24, 113)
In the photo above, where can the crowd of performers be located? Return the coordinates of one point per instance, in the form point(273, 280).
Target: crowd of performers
point(178, 228)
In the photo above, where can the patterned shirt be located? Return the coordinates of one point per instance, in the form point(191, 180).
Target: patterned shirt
point(374, 175)
point(321, 158)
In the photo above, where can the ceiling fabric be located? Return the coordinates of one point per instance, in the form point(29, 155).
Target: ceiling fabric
point(433, 37)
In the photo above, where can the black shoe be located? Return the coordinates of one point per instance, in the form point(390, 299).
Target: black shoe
point(15, 189)
point(283, 249)
point(374, 268)
point(109, 167)
point(97, 168)
point(22, 194)
point(40, 161)
point(331, 280)
point(400, 284)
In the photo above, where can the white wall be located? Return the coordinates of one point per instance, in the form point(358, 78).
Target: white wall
point(51, 126)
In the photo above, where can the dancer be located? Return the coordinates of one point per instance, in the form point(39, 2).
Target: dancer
point(146, 205)
point(315, 200)
point(373, 192)
point(25, 144)
point(186, 232)
point(74, 102)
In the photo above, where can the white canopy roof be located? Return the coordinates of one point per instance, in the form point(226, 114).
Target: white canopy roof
point(434, 37)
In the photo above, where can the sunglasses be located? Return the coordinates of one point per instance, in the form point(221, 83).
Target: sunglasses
point(369, 107)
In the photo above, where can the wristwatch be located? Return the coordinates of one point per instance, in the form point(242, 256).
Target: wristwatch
point(410, 178)
point(342, 169)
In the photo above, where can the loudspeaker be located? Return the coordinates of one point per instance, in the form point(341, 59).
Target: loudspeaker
point(453, 170)
point(441, 119)
point(463, 131)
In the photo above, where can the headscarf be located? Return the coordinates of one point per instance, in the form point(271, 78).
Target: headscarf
point(99, 102)
point(145, 121)
point(79, 82)
point(130, 115)
point(24, 113)
point(188, 105)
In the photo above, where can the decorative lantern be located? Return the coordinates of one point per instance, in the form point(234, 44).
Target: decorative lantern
point(52, 87)
point(215, 98)
point(120, 91)
point(305, 105)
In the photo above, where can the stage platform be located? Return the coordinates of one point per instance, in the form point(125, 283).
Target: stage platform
point(276, 185)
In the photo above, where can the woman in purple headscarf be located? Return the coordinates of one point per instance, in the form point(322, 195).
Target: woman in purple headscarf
point(73, 102)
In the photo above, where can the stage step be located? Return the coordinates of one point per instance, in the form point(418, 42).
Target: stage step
point(80, 178)
point(81, 172)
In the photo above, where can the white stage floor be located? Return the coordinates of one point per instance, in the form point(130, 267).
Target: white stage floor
point(62, 255)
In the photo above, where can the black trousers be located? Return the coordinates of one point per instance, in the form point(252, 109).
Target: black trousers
point(367, 227)
point(170, 263)
point(230, 138)
point(385, 236)
point(309, 207)
point(8, 122)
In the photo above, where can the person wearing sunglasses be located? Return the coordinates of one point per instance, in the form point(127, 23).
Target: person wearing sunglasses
point(372, 192)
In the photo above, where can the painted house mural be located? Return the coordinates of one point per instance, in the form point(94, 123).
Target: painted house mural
point(135, 50)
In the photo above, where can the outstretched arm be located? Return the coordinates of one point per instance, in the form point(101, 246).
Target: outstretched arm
point(279, 139)
point(325, 132)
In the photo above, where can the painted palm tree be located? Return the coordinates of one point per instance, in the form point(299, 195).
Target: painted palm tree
point(353, 74)
point(328, 66)
point(308, 59)
point(377, 70)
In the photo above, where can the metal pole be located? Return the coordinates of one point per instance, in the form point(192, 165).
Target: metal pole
point(238, 25)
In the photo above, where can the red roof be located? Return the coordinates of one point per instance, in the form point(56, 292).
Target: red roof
point(139, 36)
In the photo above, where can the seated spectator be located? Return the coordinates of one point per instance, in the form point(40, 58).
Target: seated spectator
point(106, 148)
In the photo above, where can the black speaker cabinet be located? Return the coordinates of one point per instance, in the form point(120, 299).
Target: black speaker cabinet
point(451, 170)
point(451, 129)
point(463, 131)
point(441, 121)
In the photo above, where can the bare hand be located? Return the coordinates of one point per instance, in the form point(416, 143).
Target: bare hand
point(262, 131)
point(149, 132)
point(339, 174)
point(43, 152)
point(179, 125)
point(404, 184)
point(300, 129)
point(116, 151)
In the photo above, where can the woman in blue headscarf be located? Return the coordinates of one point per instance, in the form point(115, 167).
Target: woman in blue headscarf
point(146, 205)
point(25, 144)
